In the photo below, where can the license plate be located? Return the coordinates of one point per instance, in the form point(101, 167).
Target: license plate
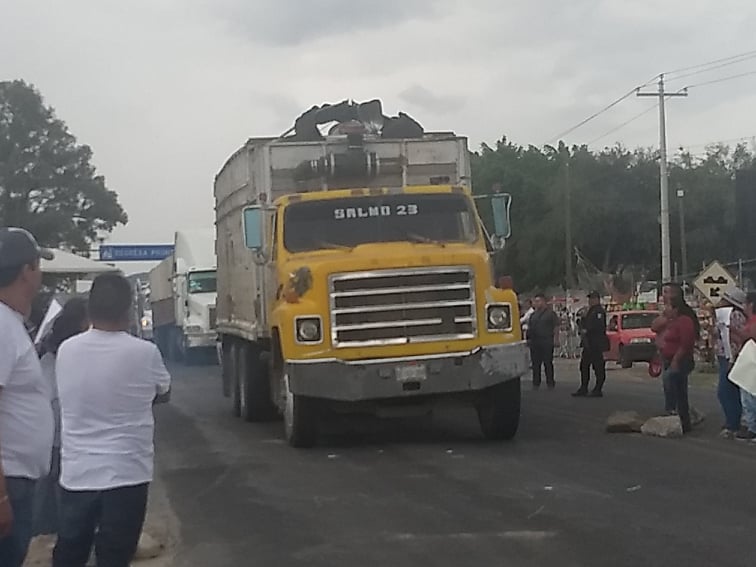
point(411, 373)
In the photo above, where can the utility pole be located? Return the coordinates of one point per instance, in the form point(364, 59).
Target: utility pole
point(569, 276)
point(683, 239)
point(664, 178)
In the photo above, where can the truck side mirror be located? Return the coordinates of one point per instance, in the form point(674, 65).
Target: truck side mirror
point(500, 205)
point(252, 224)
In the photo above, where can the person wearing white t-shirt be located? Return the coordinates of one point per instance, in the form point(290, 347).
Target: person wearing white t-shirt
point(26, 415)
point(108, 381)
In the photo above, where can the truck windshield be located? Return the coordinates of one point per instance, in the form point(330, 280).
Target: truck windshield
point(349, 222)
point(638, 320)
point(203, 282)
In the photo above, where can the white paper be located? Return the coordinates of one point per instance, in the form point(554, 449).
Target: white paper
point(743, 372)
point(52, 313)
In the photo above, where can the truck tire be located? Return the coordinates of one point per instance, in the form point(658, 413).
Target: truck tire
point(499, 410)
point(624, 362)
point(254, 385)
point(233, 374)
point(224, 359)
point(301, 418)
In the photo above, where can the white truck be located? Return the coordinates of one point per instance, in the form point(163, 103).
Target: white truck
point(355, 276)
point(182, 296)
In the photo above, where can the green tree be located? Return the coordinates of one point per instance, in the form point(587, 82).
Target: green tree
point(614, 207)
point(47, 182)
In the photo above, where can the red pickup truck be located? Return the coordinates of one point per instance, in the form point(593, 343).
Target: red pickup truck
point(630, 337)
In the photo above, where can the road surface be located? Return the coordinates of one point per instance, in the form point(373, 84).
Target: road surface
point(422, 492)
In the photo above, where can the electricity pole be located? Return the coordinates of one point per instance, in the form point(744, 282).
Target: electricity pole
point(569, 277)
point(683, 241)
point(664, 179)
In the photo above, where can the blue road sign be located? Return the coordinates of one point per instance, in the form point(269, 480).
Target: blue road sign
point(134, 252)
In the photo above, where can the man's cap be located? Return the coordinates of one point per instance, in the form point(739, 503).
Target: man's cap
point(18, 247)
point(594, 295)
point(735, 296)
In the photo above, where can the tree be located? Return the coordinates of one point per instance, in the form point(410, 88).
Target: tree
point(47, 182)
point(615, 207)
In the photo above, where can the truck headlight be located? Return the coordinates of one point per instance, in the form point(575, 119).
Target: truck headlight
point(499, 317)
point(309, 330)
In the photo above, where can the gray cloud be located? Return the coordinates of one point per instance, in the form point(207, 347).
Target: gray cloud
point(165, 91)
point(277, 23)
point(422, 98)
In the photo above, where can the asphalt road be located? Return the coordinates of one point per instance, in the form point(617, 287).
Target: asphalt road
point(432, 492)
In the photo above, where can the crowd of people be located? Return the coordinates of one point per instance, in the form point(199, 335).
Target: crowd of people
point(76, 421)
point(677, 329)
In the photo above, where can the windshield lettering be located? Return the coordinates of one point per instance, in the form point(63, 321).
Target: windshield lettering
point(436, 218)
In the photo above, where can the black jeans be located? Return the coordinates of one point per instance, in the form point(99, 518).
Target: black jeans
point(110, 519)
point(592, 358)
point(542, 355)
point(676, 393)
point(13, 548)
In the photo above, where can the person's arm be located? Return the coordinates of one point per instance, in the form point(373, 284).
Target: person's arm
point(8, 358)
point(659, 324)
point(557, 326)
point(161, 377)
point(687, 343)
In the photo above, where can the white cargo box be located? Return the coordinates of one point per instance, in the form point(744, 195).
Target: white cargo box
point(265, 169)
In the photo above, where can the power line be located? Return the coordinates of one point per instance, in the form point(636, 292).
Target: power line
point(722, 80)
point(714, 142)
point(709, 69)
point(592, 116)
point(625, 123)
point(746, 54)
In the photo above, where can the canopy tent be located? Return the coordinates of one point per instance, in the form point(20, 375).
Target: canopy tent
point(66, 263)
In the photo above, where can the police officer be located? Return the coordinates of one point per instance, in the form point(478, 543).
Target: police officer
point(595, 343)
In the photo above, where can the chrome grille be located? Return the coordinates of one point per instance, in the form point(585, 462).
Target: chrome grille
point(402, 306)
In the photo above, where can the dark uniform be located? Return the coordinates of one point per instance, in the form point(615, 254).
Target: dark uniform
point(542, 327)
point(595, 343)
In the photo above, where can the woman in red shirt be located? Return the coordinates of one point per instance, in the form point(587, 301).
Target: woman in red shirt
point(678, 343)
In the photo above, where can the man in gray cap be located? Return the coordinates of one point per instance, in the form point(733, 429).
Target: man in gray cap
point(26, 416)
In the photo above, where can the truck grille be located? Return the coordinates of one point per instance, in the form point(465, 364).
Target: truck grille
point(212, 316)
point(390, 307)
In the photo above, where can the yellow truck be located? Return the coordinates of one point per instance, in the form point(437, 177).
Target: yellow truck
point(355, 276)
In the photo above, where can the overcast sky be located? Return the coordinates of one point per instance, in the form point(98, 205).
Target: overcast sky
point(165, 90)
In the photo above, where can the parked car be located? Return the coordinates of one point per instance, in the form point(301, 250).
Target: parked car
point(630, 337)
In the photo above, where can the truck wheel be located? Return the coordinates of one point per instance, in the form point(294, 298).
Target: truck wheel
point(224, 359)
point(233, 374)
point(624, 362)
point(254, 385)
point(499, 410)
point(300, 418)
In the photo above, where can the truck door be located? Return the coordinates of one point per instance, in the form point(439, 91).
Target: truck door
point(269, 272)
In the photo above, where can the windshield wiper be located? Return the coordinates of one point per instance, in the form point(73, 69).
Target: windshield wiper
point(334, 246)
point(412, 237)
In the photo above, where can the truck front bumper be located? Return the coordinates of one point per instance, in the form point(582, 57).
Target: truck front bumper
point(352, 381)
point(201, 340)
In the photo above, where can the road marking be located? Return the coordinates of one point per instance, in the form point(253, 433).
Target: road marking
point(527, 535)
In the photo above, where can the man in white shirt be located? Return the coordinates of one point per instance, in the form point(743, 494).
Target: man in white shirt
point(26, 416)
point(108, 381)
